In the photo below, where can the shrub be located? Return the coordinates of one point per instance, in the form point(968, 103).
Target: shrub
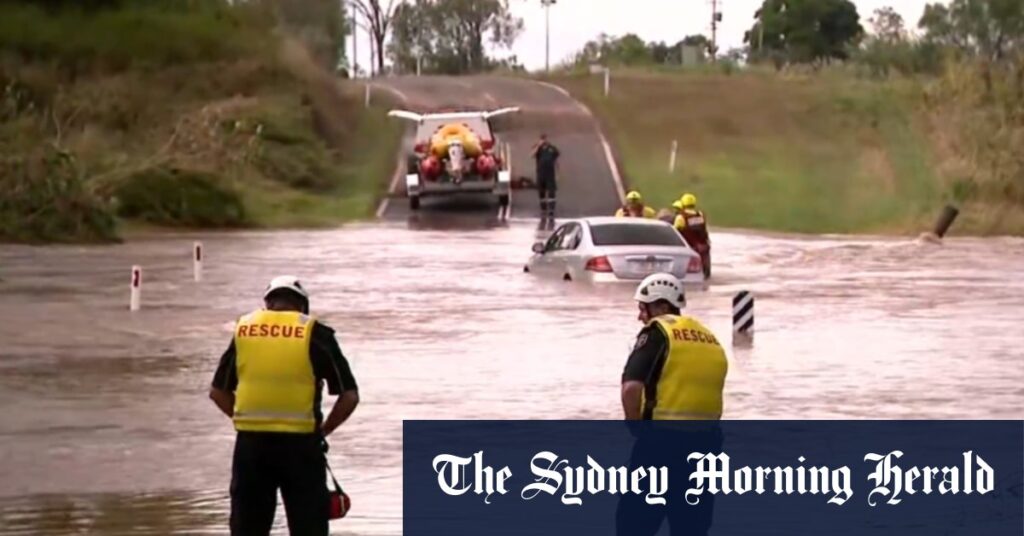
point(176, 197)
point(44, 199)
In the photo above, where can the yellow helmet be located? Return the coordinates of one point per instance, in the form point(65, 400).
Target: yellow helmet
point(678, 205)
point(689, 200)
point(634, 196)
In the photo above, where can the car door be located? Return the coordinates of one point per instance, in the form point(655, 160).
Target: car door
point(562, 257)
point(544, 263)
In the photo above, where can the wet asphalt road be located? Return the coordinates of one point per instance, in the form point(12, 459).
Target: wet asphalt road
point(586, 184)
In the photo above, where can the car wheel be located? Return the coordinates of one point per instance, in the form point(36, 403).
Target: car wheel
point(414, 202)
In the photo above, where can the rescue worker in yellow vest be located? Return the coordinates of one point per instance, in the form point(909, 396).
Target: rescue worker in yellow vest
point(269, 383)
point(676, 372)
point(693, 225)
point(677, 368)
point(635, 207)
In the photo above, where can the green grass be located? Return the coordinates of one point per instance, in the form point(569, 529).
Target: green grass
point(136, 35)
point(813, 154)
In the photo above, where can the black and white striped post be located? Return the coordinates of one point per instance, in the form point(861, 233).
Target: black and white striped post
point(743, 318)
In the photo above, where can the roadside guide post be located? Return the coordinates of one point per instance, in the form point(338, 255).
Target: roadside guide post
point(197, 261)
point(607, 81)
point(743, 319)
point(367, 96)
point(134, 300)
point(672, 157)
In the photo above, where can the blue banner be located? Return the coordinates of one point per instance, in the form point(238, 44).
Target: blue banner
point(734, 477)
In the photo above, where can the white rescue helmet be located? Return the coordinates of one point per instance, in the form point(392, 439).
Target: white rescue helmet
point(289, 282)
point(662, 286)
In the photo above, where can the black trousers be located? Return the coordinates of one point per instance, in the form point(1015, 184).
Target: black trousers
point(266, 462)
point(547, 188)
point(633, 517)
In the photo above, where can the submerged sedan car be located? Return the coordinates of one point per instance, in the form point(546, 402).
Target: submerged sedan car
point(615, 249)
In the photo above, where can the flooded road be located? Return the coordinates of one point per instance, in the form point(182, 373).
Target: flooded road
point(106, 427)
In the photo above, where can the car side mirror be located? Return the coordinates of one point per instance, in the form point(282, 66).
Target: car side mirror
point(538, 248)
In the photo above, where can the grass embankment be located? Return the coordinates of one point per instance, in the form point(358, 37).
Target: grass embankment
point(817, 153)
point(175, 115)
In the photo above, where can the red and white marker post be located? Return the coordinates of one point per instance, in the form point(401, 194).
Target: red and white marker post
point(197, 261)
point(135, 299)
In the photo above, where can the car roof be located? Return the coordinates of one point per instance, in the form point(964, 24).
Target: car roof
point(603, 220)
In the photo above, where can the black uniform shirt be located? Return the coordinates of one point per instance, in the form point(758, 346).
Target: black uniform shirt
point(646, 362)
point(547, 155)
point(329, 366)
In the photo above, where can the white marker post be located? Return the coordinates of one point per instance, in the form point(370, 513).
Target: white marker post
point(743, 319)
point(607, 81)
point(672, 157)
point(197, 261)
point(367, 96)
point(135, 300)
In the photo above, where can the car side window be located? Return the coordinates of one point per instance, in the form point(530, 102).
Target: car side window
point(571, 238)
point(555, 239)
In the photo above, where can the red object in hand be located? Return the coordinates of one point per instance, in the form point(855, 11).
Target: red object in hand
point(340, 504)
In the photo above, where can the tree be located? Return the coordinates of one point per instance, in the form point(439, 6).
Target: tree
point(376, 18)
point(888, 26)
point(805, 30)
point(992, 29)
point(450, 35)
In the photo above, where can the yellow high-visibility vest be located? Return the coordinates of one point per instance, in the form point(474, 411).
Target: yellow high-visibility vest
point(693, 376)
point(276, 384)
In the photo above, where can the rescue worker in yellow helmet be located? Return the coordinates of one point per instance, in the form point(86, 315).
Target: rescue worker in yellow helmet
point(269, 382)
point(692, 223)
point(677, 368)
point(676, 372)
point(635, 207)
point(669, 215)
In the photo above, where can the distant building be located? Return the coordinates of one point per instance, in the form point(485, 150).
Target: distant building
point(693, 55)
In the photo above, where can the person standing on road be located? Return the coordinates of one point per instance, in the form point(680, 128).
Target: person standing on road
point(546, 155)
point(635, 207)
point(693, 225)
point(269, 382)
point(676, 372)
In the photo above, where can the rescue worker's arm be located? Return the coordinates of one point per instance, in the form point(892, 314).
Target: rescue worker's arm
point(225, 381)
point(631, 400)
point(331, 366)
point(640, 368)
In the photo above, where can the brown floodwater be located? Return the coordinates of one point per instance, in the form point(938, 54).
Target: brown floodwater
point(106, 428)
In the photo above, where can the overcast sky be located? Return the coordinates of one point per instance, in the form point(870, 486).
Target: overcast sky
point(574, 22)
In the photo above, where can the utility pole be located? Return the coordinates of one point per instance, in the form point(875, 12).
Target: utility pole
point(547, 32)
point(716, 17)
point(355, 45)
